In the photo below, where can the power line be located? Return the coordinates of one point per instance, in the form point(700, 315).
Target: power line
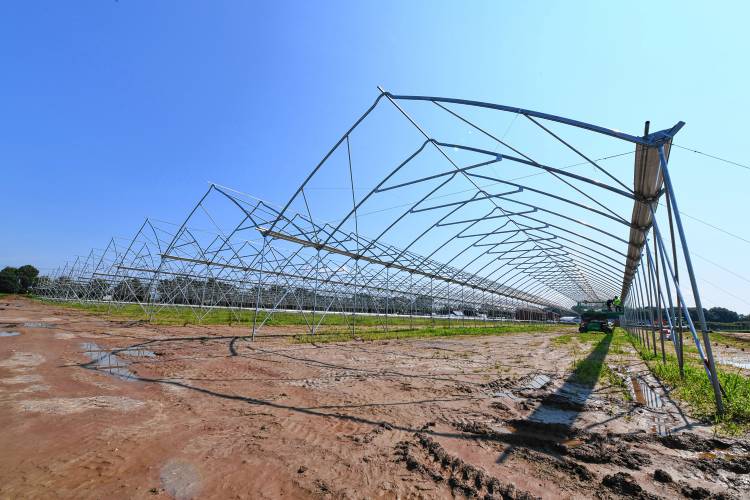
point(730, 271)
point(724, 160)
point(725, 291)
point(733, 235)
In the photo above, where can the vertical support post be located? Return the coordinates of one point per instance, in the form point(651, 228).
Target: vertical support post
point(257, 291)
point(412, 301)
point(463, 309)
point(356, 233)
point(693, 282)
point(669, 310)
point(648, 313)
point(652, 296)
point(387, 295)
point(354, 306)
point(432, 305)
point(641, 309)
point(680, 340)
point(647, 289)
point(315, 292)
point(660, 301)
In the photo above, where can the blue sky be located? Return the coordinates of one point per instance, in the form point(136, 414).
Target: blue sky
point(114, 111)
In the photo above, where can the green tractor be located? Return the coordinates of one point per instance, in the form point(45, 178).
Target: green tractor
point(595, 317)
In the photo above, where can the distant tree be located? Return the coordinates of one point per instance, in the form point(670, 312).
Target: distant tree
point(694, 314)
point(27, 277)
point(717, 315)
point(722, 315)
point(9, 282)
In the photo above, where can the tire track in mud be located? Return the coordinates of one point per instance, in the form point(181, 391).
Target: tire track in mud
point(564, 448)
point(460, 477)
point(315, 453)
point(243, 424)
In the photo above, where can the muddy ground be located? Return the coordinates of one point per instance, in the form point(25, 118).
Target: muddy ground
point(91, 408)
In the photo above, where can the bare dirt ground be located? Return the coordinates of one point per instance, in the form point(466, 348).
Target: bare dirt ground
point(91, 408)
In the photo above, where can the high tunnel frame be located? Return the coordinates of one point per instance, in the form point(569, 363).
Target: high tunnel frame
point(496, 251)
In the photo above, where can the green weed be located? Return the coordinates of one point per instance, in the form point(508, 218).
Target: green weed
point(696, 390)
point(421, 333)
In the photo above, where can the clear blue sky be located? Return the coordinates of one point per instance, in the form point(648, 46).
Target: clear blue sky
point(114, 111)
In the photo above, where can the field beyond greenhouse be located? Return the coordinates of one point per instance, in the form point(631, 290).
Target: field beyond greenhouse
point(110, 405)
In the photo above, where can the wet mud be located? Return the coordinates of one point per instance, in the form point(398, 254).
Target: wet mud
point(463, 478)
point(129, 409)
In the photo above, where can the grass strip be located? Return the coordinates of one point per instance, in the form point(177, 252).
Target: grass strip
point(369, 336)
point(696, 390)
point(336, 327)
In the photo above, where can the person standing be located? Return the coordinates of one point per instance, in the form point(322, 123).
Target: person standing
point(617, 303)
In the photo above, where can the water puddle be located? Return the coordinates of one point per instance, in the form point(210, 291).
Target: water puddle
point(534, 382)
point(136, 353)
point(181, 480)
point(37, 324)
point(653, 400)
point(743, 363)
point(647, 396)
point(9, 334)
point(639, 397)
point(505, 394)
point(105, 361)
point(550, 415)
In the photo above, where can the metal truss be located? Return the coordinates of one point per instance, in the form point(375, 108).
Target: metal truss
point(425, 206)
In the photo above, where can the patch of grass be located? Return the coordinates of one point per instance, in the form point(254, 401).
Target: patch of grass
point(729, 339)
point(618, 382)
point(594, 367)
point(696, 389)
point(620, 342)
point(563, 340)
point(332, 324)
point(587, 370)
point(422, 333)
point(580, 337)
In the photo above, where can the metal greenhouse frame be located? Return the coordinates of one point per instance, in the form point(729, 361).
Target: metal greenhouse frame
point(431, 220)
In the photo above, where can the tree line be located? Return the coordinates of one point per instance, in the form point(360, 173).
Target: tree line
point(22, 280)
point(712, 315)
point(18, 279)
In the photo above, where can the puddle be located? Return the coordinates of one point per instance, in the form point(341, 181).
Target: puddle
point(646, 396)
point(137, 353)
point(9, 334)
point(105, 361)
point(550, 415)
point(653, 400)
point(639, 397)
point(537, 381)
point(37, 324)
point(180, 479)
point(505, 394)
point(739, 363)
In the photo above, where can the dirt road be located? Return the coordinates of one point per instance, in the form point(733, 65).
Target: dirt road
point(91, 408)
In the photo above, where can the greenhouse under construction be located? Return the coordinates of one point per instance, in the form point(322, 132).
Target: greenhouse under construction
point(425, 209)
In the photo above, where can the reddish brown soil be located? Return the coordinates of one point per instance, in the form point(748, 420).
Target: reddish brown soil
point(209, 417)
